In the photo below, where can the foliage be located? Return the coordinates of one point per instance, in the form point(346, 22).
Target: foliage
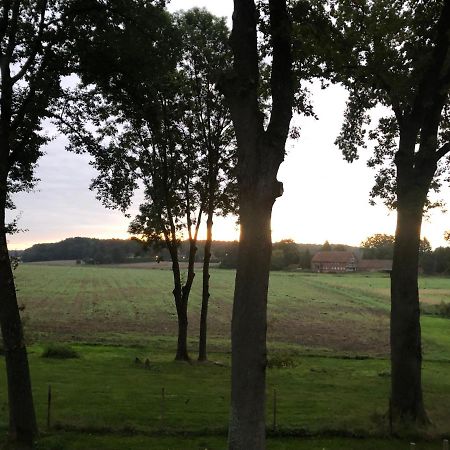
point(35, 56)
point(381, 246)
point(285, 253)
point(59, 351)
point(381, 52)
point(436, 262)
point(378, 246)
point(99, 251)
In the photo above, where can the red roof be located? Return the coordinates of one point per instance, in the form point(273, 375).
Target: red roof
point(333, 257)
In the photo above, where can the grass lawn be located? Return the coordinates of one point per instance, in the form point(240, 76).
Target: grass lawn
point(333, 328)
point(72, 441)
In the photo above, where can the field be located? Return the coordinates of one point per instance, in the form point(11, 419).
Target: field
point(331, 331)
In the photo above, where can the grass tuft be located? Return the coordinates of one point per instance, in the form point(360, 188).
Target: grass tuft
point(280, 361)
point(59, 351)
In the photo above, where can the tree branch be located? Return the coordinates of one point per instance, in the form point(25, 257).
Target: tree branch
point(12, 31)
point(4, 20)
point(441, 152)
point(242, 88)
point(281, 82)
point(34, 46)
point(436, 79)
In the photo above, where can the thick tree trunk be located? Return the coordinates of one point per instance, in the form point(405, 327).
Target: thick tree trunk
point(406, 351)
point(249, 326)
point(260, 153)
point(202, 354)
point(22, 419)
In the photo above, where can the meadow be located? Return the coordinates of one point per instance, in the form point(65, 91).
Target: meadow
point(328, 360)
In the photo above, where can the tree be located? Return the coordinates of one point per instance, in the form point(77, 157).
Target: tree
point(326, 247)
point(32, 59)
point(168, 130)
point(285, 253)
point(396, 54)
point(378, 246)
point(138, 115)
point(305, 259)
point(260, 153)
point(205, 57)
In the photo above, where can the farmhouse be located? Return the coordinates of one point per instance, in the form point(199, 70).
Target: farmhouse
point(375, 265)
point(339, 261)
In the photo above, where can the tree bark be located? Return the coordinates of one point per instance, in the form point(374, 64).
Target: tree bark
point(22, 419)
point(180, 305)
point(260, 153)
point(414, 176)
point(249, 325)
point(182, 352)
point(406, 350)
point(202, 353)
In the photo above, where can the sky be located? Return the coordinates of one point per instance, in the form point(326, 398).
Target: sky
point(325, 198)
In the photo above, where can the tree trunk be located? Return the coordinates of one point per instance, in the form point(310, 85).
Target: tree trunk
point(182, 352)
point(181, 307)
point(406, 351)
point(202, 354)
point(22, 419)
point(249, 326)
point(260, 153)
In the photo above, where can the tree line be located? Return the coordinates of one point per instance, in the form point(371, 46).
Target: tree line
point(199, 121)
point(286, 254)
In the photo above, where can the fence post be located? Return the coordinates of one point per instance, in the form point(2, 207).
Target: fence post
point(390, 417)
point(274, 410)
point(163, 406)
point(413, 446)
point(445, 444)
point(49, 406)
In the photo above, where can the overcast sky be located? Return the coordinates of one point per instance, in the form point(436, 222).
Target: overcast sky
point(324, 198)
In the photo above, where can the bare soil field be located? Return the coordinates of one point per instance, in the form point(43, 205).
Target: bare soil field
point(338, 313)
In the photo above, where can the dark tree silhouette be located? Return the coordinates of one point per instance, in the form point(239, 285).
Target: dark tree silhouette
point(161, 129)
point(397, 55)
point(260, 153)
point(32, 59)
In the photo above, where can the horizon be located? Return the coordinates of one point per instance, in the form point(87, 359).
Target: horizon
point(359, 246)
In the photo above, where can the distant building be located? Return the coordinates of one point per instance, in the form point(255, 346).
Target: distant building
point(374, 265)
point(334, 262)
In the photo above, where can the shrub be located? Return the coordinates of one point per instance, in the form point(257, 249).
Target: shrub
point(59, 351)
point(280, 362)
point(443, 309)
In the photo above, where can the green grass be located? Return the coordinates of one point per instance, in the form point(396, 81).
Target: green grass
point(72, 441)
point(111, 316)
point(335, 313)
point(105, 389)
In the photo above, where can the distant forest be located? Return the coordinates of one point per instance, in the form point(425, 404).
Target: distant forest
point(286, 253)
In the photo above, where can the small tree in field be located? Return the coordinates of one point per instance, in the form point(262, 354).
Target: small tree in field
point(168, 131)
point(205, 57)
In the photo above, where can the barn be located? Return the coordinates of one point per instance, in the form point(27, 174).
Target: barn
point(375, 265)
point(337, 261)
